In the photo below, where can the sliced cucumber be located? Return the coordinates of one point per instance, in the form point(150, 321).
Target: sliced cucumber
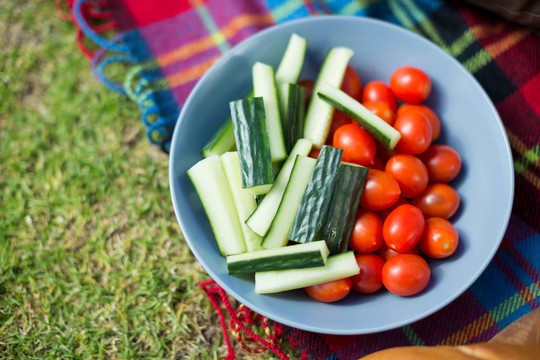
point(377, 127)
point(212, 187)
point(315, 200)
point(288, 257)
point(289, 69)
point(337, 267)
point(259, 198)
point(221, 141)
point(260, 220)
point(291, 64)
point(264, 85)
point(341, 216)
point(294, 118)
point(319, 113)
point(243, 199)
point(282, 222)
point(252, 144)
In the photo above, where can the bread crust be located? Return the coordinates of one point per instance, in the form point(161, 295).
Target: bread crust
point(482, 351)
point(518, 341)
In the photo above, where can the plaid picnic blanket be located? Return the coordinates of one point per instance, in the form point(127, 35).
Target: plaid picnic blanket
point(166, 46)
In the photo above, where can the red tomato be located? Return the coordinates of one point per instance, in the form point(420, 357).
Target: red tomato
point(377, 164)
point(338, 120)
point(383, 214)
point(366, 236)
point(379, 91)
point(403, 228)
point(410, 173)
point(386, 253)
point(434, 120)
point(383, 153)
point(352, 84)
point(309, 85)
point(369, 280)
point(410, 85)
point(438, 200)
point(440, 238)
point(443, 163)
point(415, 132)
point(330, 291)
point(382, 110)
point(380, 192)
point(406, 274)
point(357, 144)
point(314, 153)
point(404, 107)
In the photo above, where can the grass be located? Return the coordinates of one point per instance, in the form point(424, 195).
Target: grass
point(92, 261)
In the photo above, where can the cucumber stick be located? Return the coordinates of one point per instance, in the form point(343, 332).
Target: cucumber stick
point(319, 113)
point(277, 234)
point(289, 69)
point(377, 127)
point(252, 144)
point(244, 201)
point(291, 64)
point(338, 225)
point(221, 141)
point(261, 219)
point(264, 86)
point(316, 198)
point(288, 257)
point(337, 267)
point(293, 122)
point(212, 187)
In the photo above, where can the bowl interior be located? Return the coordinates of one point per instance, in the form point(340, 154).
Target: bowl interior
point(470, 124)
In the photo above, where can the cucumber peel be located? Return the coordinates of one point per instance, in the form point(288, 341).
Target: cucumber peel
point(377, 127)
point(297, 256)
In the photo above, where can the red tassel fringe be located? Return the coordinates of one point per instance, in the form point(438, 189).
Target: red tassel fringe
point(98, 20)
point(239, 319)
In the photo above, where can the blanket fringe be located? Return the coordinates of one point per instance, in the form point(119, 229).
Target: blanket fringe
point(92, 19)
point(238, 324)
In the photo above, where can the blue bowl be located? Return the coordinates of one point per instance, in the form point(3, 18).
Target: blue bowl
point(470, 124)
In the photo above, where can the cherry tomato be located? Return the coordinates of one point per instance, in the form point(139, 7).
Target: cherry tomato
point(366, 236)
point(377, 164)
point(309, 85)
point(434, 120)
point(415, 132)
point(380, 192)
point(382, 110)
point(443, 163)
point(314, 153)
point(383, 153)
point(410, 85)
point(386, 253)
point(440, 238)
point(338, 120)
point(357, 144)
point(403, 228)
point(406, 274)
point(330, 291)
point(352, 84)
point(383, 214)
point(437, 200)
point(379, 91)
point(369, 280)
point(410, 173)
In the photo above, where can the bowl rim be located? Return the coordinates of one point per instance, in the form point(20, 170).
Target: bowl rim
point(293, 23)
